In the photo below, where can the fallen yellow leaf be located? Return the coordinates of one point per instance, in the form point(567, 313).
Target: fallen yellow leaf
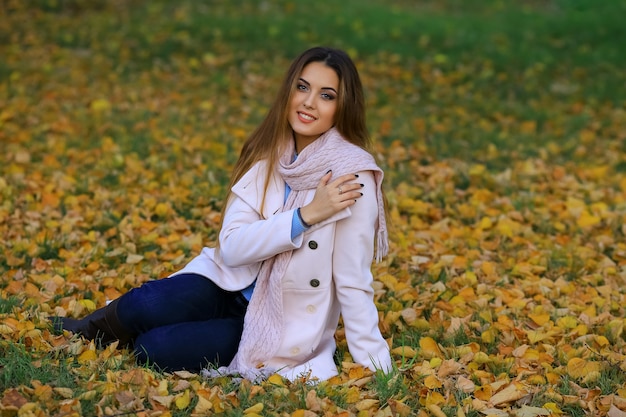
point(588, 220)
point(87, 356)
point(539, 319)
point(366, 404)
point(134, 258)
point(432, 382)
point(465, 385)
point(509, 394)
point(404, 351)
point(100, 105)
point(553, 408)
point(430, 348)
point(276, 379)
point(182, 401)
point(435, 410)
point(255, 409)
point(165, 400)
point(483, 393)
point(203, 406)
point(580, 368)
point(88, 304)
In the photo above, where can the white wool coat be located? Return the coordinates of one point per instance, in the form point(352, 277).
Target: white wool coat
point(329, 273)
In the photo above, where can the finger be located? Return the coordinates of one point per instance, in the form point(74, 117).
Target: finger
point(326, 177)
point(343, 179)
point(350, 195)
point(351, 186)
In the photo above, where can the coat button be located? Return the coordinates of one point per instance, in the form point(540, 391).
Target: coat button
point(310, 309)
point(315, 283)
point(313, 244)
point(295, 351)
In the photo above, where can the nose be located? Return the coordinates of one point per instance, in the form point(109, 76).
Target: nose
point(308, 101)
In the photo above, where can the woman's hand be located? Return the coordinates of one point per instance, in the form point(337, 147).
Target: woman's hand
point(331, 197)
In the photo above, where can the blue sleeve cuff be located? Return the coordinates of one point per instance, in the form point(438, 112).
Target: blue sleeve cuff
point(297, 225)
point(247, 292)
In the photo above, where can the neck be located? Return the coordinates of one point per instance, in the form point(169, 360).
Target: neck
point(303, 142)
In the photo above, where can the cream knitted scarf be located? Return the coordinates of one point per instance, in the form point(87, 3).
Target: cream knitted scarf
point(263, 323)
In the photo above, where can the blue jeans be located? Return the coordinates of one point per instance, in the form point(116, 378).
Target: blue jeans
point(183, 322)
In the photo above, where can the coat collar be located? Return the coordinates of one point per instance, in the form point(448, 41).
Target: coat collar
point(250, 188)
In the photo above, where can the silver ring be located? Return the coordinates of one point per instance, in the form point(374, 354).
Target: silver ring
point(340, 192)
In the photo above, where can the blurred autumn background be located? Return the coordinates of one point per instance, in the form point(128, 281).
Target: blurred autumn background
point(502, 130)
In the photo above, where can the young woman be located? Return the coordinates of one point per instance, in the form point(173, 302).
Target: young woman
point(304, 210)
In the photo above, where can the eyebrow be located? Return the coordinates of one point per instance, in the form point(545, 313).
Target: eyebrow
point(323, 88)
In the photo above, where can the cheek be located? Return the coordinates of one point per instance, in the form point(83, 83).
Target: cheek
point(334, 115)
point(293, 102)
point(331, 110)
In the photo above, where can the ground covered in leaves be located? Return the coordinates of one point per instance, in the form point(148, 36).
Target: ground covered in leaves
point(505, 290)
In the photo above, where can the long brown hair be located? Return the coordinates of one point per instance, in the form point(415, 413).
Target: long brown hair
point(269, 139)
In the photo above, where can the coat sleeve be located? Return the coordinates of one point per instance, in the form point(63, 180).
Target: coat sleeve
point(246, 238)
point(352, 260)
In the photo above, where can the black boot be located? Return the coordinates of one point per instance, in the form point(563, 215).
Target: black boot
point(102, 326)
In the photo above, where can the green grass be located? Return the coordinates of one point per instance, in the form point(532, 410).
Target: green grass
point(521, 61)
point(8, 304)
point(537, 31)
point(20, 368)
point(610, 380)
point(389, 386)
point(57, 369)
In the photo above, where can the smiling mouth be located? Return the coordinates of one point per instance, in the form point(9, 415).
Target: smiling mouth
point(306, 117)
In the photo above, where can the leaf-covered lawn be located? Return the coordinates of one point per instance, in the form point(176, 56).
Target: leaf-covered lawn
point(502, 132)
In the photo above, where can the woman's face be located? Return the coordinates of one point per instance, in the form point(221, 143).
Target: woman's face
point(314, 103)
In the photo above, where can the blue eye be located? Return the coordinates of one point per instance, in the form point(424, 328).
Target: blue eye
point(327, 96)
point(301, 87)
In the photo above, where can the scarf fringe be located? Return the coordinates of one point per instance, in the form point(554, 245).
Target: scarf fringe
point(382, 245)
point(256, 376)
